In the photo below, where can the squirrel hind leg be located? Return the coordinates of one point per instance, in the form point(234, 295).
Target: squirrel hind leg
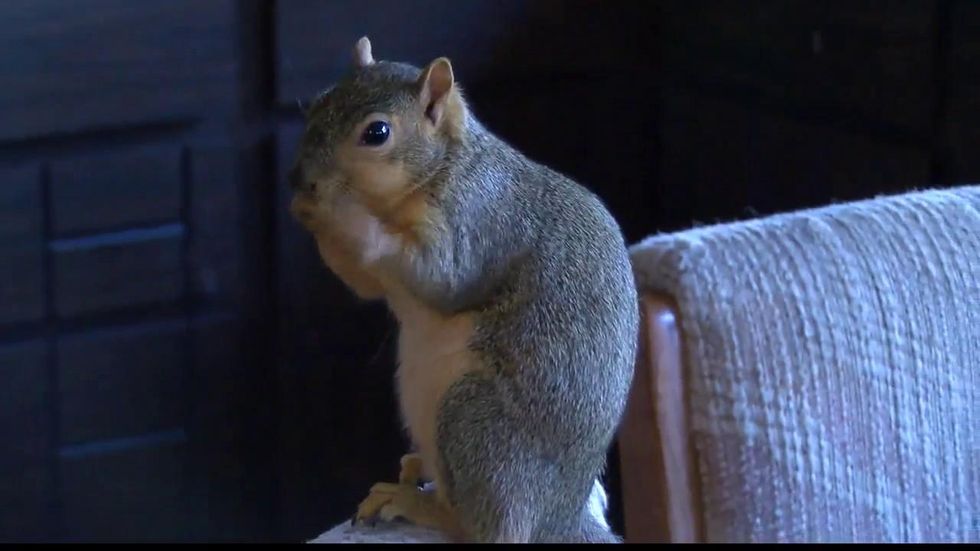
point(500, 489)
point(593, 526)
point(589, 531)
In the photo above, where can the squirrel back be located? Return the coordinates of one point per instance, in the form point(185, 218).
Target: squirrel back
point(518, 354)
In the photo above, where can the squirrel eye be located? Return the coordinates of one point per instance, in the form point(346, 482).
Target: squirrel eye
point(376, 133)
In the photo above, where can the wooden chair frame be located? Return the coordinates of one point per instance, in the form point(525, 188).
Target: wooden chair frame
point(658, 465)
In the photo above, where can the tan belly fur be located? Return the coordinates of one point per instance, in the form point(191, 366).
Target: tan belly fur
point(433, 353)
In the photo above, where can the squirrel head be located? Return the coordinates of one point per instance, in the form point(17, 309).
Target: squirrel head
point(379, 134)
point(371, 143)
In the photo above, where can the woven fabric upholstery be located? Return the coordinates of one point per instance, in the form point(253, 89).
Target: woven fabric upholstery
point(831, 361)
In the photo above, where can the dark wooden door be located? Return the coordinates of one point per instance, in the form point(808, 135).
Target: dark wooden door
point(135, 348)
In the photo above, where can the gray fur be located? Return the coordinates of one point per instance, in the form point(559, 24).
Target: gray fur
point(543, 267)
point(556, 333)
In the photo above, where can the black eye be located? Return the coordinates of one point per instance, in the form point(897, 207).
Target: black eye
point(376, 133)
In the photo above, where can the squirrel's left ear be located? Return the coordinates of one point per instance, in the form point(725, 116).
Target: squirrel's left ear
point(435, 86)
point(362, 53)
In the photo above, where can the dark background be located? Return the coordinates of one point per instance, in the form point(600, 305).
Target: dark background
point(175, 363)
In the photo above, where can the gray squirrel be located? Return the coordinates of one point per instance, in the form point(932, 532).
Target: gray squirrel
point(512, 286)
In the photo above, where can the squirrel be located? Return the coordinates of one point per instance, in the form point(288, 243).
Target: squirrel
point(514, 295)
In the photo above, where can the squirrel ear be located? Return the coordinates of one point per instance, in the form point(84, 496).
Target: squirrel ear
point(435, 84)
point(362, 53)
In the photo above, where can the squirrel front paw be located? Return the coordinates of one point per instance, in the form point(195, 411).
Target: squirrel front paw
point(305, 209)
